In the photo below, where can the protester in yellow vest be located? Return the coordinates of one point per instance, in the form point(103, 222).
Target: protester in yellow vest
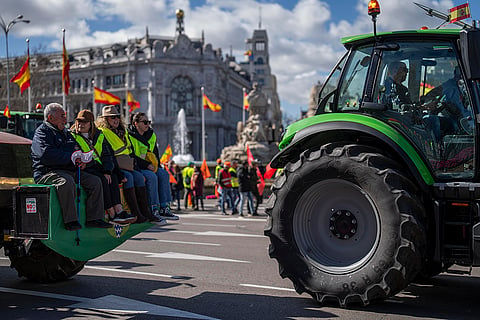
point(90, 138)
point(144, 143)
point(134, 189)
point(234, 179)
point(187, 174)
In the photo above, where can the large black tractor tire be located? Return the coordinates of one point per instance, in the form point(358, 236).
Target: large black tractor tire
point(42, 264)
point(345, 225)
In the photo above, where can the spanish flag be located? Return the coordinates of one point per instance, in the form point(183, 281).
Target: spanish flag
point(22, 78)
point(207, 104)
point(459, 13)
point(6, 112)
point(102, 96)
point(167, 154)
point(131, 102)
point(246, 105)
point(65, 69)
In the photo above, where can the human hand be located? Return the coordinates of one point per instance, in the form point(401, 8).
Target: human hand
point(151, 167)
point(108, 178)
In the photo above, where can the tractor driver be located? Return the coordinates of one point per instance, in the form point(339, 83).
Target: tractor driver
point(396, 93)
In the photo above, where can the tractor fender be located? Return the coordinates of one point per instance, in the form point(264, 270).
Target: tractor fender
point(392, 142)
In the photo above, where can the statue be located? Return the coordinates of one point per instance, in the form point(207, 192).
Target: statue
point(261, 132)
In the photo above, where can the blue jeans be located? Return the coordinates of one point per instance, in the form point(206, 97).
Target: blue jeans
point(152, 187)
point(226, 195)
point(235, 197)
point(249, 195)
point(165, 195)
point(134, 179)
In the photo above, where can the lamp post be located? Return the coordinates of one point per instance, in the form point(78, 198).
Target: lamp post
point(6, 27)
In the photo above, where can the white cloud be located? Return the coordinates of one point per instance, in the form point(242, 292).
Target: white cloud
point(304, 42)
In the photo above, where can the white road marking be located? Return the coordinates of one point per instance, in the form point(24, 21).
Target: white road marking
point(121, 304)
point(266, 287)
point(218, 234)
point(209, 225)
point(135, 272)
point(177, 255)
point(188, 242)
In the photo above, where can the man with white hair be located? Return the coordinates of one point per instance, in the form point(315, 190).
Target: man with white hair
point(52, 149)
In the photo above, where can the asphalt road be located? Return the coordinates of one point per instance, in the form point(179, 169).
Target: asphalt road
point(209, 266)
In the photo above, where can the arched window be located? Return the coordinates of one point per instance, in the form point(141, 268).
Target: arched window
point(181, 96)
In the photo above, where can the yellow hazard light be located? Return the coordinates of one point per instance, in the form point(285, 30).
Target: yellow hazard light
point(373, 8)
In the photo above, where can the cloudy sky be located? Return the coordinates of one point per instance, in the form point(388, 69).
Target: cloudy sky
point(304, 35)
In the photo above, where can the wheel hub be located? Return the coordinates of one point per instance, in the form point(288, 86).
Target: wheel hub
point(343, 224)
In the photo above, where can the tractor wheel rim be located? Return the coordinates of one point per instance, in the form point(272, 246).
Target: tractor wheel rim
point(336, 226)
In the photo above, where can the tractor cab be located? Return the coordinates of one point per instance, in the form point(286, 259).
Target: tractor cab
point(415, 81)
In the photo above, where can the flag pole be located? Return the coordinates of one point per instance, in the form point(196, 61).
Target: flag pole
point(64, 97)
point(243, 106)
point(127, 110)
point(29, 91)
point(203, 125)
point(94, 105)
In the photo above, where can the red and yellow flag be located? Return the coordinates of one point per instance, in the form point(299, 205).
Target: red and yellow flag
point(167, 154)
point(65, 69)
point(131, 102)
point(6, 112)
point(102, 96)
point(459, 13)
point(22, 78)
point(204, 170)
point(246, 105)
point(207, 104)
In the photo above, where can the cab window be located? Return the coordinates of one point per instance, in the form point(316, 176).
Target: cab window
point(426, 97)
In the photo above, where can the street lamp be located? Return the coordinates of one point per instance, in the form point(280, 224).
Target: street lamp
point(6, 28)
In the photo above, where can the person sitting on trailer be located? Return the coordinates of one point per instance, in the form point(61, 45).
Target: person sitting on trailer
point(89, 137)
point(52, 149)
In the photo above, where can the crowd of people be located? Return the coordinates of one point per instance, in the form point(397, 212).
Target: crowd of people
point(125, 159)
point(236, 184)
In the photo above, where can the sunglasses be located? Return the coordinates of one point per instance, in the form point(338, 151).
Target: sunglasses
point(145, 122)
point(114, 117)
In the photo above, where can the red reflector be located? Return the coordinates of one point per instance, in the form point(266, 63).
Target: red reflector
point(460, 204)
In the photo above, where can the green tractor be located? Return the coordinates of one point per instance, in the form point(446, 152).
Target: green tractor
point(21, 123)
point(31, 224)
point(381, 187)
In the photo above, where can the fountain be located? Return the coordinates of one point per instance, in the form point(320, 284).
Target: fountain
point(181, 141)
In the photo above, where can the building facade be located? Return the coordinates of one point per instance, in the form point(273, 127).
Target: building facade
point(164, 74)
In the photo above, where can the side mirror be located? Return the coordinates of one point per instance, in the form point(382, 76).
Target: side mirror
point(470, 47)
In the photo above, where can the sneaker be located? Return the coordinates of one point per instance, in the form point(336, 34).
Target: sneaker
point(167, 214)
point(72, 226)
point(159, 221)
point(129, 218)
point(99, 223)
point(122, 218)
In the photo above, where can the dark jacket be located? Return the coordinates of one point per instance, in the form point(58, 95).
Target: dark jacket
point(179, 185)
point(244, 179)
point(52, 150)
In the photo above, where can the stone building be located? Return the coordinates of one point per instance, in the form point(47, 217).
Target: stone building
point(165, 74)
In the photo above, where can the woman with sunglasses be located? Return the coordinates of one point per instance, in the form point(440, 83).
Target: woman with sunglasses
point(144, 140)
point(90, 138)
point(134, 189)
